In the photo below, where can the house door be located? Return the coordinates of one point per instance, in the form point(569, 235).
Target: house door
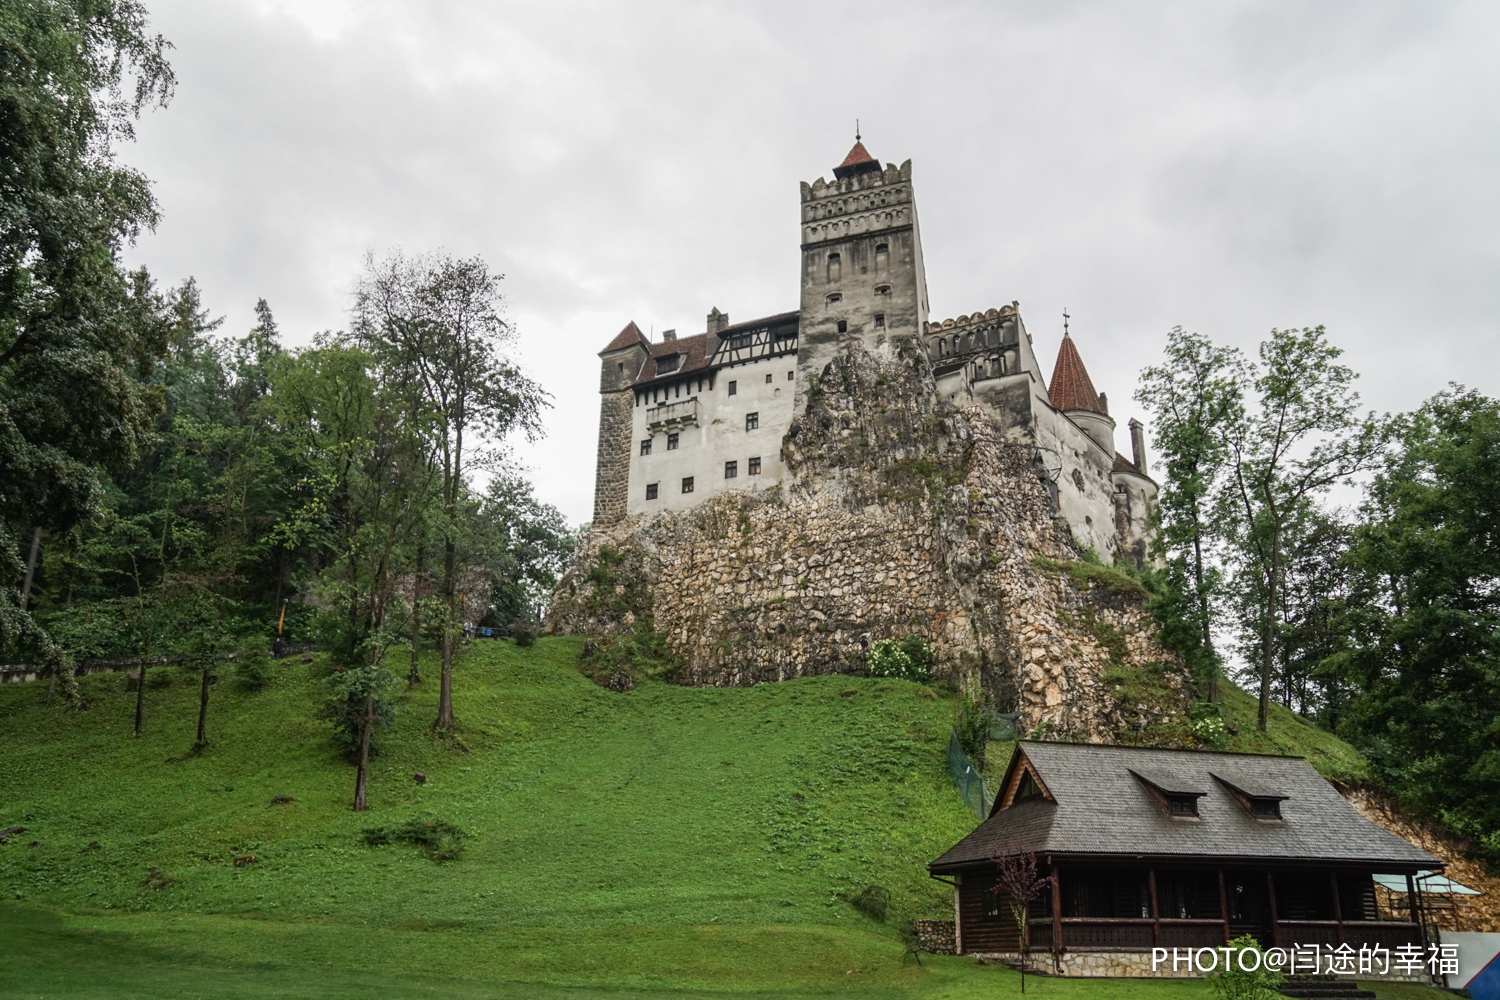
point(1249, 905)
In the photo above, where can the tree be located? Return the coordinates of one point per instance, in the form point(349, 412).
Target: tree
point(531, 548)
point(1428, 656)
point(1019, 881)
point(79, 336)
point(435, 326)
point(1303, 437)
point(1195, 396)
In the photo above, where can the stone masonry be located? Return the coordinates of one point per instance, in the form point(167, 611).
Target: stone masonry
point(900, 514)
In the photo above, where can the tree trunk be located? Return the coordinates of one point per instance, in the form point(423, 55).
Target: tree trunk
point(140, 688)
point(1267, 651)
point(445, 689)
point(203, 706)
point(1208, 642)
point(414, 678)
point(364, 753)
point(36, 541)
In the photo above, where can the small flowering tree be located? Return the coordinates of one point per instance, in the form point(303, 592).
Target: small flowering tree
point(1020, 881)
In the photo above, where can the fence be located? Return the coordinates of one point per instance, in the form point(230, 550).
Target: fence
point(968, 779)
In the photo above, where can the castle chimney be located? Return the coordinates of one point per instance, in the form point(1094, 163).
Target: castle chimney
point(717, 321)
point(1138, 444)
point(1104, 403)
point(667, 336)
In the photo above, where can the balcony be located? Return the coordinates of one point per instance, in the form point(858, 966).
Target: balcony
point(672, 416)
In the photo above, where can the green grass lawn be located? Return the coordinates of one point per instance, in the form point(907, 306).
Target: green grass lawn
point(668, 841)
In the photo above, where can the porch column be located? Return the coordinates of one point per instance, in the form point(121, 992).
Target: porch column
point(1338, 906)
point(1056, 917)
point(1223, 906)
point(1155, 916)
point(1271, 900)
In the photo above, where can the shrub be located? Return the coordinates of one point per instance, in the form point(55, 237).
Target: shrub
point(440, 839)
point(909, 660)
point(253, 670)
point(873, 901)
point(525, 633)
point(971, 721)
point(1235, 983)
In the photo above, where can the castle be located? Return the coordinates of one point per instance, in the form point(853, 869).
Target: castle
point(690, 417)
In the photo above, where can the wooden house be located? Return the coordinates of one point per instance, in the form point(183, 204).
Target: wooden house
point(1175, 849)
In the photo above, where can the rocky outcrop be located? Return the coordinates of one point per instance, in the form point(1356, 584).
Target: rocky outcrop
point(899, 515)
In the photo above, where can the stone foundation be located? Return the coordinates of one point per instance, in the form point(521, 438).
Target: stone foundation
point(936, 937)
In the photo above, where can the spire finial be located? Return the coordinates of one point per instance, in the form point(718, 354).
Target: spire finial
point(856, 130)
point(1065, 321)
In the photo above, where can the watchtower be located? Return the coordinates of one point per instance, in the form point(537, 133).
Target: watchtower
point(620, 365)
point(862, 275)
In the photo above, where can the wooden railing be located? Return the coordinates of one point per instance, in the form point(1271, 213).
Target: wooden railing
point(1389, 933)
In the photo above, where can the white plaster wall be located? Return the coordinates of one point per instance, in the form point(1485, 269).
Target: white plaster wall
point(718, 437)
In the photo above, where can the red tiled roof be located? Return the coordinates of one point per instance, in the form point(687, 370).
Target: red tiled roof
point(625, 338)
point(859, 154)
point(1071, 388)
point(694, 350)
point(1123, 464)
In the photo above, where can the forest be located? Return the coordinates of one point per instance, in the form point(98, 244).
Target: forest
point(171, 489)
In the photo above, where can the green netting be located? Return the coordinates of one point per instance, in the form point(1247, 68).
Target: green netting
point(1003, 725)
point(968, 779)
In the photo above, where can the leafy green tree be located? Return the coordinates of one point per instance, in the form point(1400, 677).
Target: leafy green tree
point(1303, 436)
point(1195, 396)
point(435, 326)
point(79, 336)
point(1428, 717)
point(531, 548)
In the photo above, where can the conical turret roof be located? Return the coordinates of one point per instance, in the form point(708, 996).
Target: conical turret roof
point(1071, 388)
point(859, 161)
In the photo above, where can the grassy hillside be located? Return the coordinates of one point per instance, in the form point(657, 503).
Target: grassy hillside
point(668, 839)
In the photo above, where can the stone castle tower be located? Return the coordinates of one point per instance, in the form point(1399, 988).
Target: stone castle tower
point(862, 275)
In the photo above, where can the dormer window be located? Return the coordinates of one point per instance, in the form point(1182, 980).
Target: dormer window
point(1265, 808)
point(1255, 796)
point(668, 364)
point(1176, 795)
point(1183, 805)
point(1028, 788)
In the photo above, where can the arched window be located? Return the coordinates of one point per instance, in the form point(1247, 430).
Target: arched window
point(835, 267)
point(882, 255)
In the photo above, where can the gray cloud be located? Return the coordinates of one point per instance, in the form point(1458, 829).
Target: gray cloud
point(1230, 167)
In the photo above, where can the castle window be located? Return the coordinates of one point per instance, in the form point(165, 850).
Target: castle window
point(734, 388)
point(880, 321)
point(881, 248)
point(753, 467)
point(752, 421)
point(835, 297)
point(882, 289)
point(768, 378)
point(687, 484)
point(731, 469)
point(621, 366)
point(843, 326)
point(882, 255)
point(790, 376)
point(651, 491)
point(671, 442)
point(668, 363)
point(835, 267)
point(646, 447)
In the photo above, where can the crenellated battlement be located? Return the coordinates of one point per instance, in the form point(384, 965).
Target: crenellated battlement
point(891, 176)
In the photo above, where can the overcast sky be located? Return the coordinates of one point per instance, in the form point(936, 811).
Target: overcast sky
point(1229, 167)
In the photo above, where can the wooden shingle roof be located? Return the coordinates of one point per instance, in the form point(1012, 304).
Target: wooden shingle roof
point(1101, 808)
